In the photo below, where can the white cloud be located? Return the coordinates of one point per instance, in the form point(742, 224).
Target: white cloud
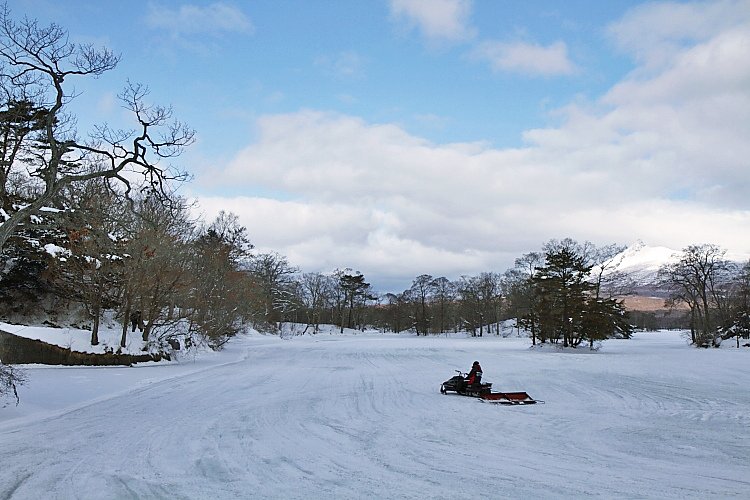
point(526, 58)
point(655, 32)
point(189, 19)
point(393, 205)
point(662, 156)
point(436, 19)
point(681, 125)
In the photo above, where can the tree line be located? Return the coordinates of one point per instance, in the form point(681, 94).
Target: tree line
point(562, 294)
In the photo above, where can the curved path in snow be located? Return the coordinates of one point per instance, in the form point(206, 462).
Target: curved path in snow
point(361, 417)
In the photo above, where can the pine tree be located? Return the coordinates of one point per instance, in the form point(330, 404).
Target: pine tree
point(355, 288)
point(566, 300)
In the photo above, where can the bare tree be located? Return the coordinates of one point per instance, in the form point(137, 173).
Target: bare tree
point(490, 299)
point(10, 379)
point(93, 268)
point(217, 295)
point(480, 301)
point(606, 260)
point(273, 277)
point(158, 270)
point(316, 294)
point(698, 279)
point(396, 311)
point(520, 285)
point(470, 307)
point(443, 296)
point(36, 64)
point(420, 293)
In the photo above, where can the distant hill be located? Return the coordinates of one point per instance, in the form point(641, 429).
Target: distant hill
point(634, 271)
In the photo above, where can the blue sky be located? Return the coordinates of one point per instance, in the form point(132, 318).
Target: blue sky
point(360, 58)
point(448, 137)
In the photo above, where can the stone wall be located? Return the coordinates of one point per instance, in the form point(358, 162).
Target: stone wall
point(20, 350)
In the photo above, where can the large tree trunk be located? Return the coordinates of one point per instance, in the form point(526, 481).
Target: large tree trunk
point(351, 309)
point(125, 323)
point(692, 324)
point(96, 310)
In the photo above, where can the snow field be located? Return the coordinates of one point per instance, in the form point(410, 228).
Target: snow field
point(361, 416)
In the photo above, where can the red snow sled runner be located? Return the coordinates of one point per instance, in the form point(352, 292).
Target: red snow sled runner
point(462, 387)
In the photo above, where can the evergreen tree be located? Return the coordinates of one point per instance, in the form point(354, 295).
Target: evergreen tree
point(567, 305)
point(355, 289)
point(561, 286)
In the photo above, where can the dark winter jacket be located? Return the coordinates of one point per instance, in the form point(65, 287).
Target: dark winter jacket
point(475, 375)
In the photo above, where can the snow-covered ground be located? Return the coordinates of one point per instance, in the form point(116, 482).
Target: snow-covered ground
point(77, 339)
point(360, 416)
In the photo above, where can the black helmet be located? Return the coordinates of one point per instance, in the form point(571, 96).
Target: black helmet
point(475, 363)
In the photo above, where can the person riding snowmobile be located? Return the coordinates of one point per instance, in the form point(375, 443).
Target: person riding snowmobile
point(475, 375)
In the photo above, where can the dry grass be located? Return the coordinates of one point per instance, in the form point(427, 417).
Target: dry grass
point(648, 304)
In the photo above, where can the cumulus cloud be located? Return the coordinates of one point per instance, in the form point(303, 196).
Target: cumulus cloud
point(436, 19)
point(662, 156)
point(679, 127)
point(394, 205)
point(526, 58)
point(655, 32)
point(187, 19)
point(323, 236)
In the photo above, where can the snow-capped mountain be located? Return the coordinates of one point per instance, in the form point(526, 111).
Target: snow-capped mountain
point(635, 269)
point(642, 262)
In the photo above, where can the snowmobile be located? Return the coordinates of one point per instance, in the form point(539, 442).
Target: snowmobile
point(483, 391)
